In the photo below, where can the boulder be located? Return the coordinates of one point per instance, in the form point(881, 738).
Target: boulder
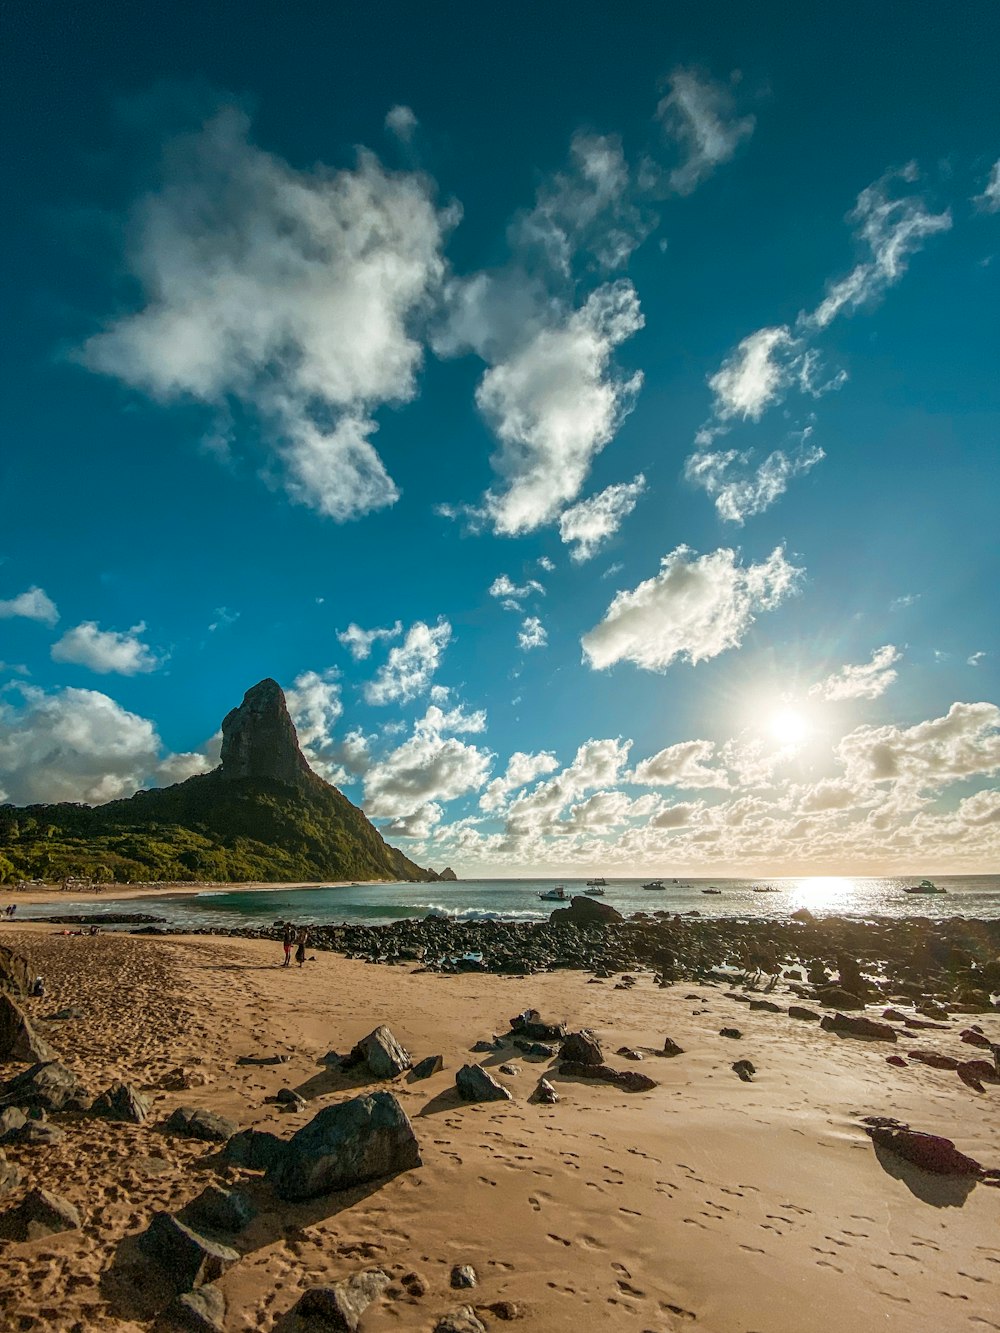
point(189, 1259)
point(344, 1145)
point(195, 1123)
point(582, 1048)
point(220, 1209)
point(935, 1059)
point(670, 1048)
point(767, 1006)
point(201, 1311)
point(463, 1275)
point(531, 1027)
point(12, 1120)
point(474, 1084)
point(930, 1152)
point(462, 1320)
point(431, 1064)
point(381, 1053)
point(984, 1070)
point(546, 1093)
point(49, 1085)
point(973, 1038)
point(868, 1029)
point(256, 1149)
point(629, 1080)
point(584, 911)
point(800, 1011)
point(536, 1048)
point(11, 1176)
point(39, 1214)
point(121, 1102)
point(835, 997)
point(18, 1039)
point(14, 976)
point(745, 1070)
point(734, 1033)
point(339, 1308)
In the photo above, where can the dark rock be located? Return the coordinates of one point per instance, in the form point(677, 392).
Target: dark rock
point(670, 1048)
point(49, 1085)
point(414, 1284)
point(259, 741)
point(582, 1048)
point(121, 1102)
point(931, 1152)
point(201, 1311)
point(14, 975)
point(585, 912)
point(766, 1005)
point(344, 1145)
point(803, 914)
point(536, 1048)
point(868, 1029)
point(896, 1060)
point(36, 1131)
point(18, 1039)
point(510, 1070)
point(893, 1016)
point(984, 1070)
point(462, 1320)
point(474, 1084)
point(256, 1149)
point(546, 1093)
point(973, 1038)
point(745, 1070)
point(11, 1176)
point(504, 1310)
point(448, 874)
point(195, 1123)
point(835, 997)
point(800, 1011)
point(735, 1033)
point(463, 1275)
point(339, 1308)
point(629, 1080)
point(188, 1258)
point(65, 1015)
point(381, 1053)
point(221, 1209)
point(482, 1047)
point(12, 1120)
point(934, 1059)
point(627, 1053)
point(531, 1026)
point(39, 1214)
point(431, 1064)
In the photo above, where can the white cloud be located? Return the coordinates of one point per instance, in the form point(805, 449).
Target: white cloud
point(892, 229)
point(868, 680)
point(428, 767)
point(546, 564)
point(35, 604)
point(402, 122)
point(223, 618)
point(699, 114)
point(974, 659)
point(513, 594)
point(180, 767)
point(595, 520)
point(963, 744)
point(695, 608)
point(410, 666)
point(677, 816)
point(684, 765)
point(315, 706)
point(597, 764)
point(755, 375)
point(522, 768)
point(532, 634)
point(359, 641)
point(554, 402)
point(291, 292)
point(739, 492)
point(105, 651)
point(417, 825)
point(989, 200)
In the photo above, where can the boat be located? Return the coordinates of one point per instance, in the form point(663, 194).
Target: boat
point(925, 886)
point(595, 892)
point(766, 888)
point(711, 890)
point(556, 895)
point(657, 885)
point(599, 883)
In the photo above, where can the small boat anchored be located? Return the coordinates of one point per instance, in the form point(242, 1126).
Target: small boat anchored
point(596, 887)
point(713, 890)
point(925, 886)
point(656, 885)
point(556, 895)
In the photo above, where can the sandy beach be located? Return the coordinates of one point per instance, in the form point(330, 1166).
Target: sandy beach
point(705, 1204)
point(53, 896)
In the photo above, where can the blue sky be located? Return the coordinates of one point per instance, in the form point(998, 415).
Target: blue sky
point(589, 417)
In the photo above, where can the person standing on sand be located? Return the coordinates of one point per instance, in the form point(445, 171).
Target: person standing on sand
point(301, 940)
point(287, 940)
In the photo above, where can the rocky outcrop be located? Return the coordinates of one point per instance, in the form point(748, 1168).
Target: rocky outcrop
point(39, 1214)
point(121, 1102)
point(474, 1084)
point(585, 912)
point(629, 1080)
point(259, 740)
point(931, 1152)
point(339, 1308)
point(582, 1048)
point(448, 873)
point(18, 1039)
point(49, 1085)
point(849, 1025)
point(201, 1311)
point(13, 972)
point(190, 1260)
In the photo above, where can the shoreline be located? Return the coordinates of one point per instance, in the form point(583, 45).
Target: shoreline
point(182, 889)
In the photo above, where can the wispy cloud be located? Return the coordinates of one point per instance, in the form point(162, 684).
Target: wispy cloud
point(359, 641)
point(402, 122)
point(409, 667)
point(869, 680)
point(35, 604)
point(738, 488)
point(532, 634)
point(588, 525)
point(699, 114)
point(106, 651)
point(989, 200)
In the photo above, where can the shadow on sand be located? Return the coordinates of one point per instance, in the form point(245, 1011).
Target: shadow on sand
point(927, 1186)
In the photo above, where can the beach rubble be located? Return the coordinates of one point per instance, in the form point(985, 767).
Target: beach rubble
point(339, 1308)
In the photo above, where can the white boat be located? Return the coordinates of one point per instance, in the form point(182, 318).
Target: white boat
point(657, 885)
point(599, 883)
point(595, 892)
point(711, 890)
point(925, 886)
point(556, 895)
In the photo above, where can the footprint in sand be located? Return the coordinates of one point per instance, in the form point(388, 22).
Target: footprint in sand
point(561, 1239)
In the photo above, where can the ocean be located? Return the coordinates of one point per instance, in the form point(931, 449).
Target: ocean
point(518, 900)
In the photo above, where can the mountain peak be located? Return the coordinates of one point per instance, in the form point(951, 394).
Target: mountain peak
point(259, 740)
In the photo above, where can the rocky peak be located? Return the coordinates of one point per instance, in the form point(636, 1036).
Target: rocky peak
point(259, 740)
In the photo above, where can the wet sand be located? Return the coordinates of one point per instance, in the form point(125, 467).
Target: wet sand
point(53, 896)
point(707, 1204)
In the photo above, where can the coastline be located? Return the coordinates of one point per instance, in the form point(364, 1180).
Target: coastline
point(53, 896)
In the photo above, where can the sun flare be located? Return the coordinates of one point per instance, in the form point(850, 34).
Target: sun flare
point(788, 727)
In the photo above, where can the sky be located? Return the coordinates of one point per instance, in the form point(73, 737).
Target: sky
point(588, 414)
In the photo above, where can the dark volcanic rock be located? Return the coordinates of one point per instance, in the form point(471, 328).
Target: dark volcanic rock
point(188, 1259)
point(220, 1209)
point(530, 1025)
point(18, 1039)
point(629, 1080)
point(195, 1123)
point(49, 1085)
point(121, 1102)
point(11, 1176)
point(847, 1025)
point(582, 1048)
point(381, 1053)
point(346, 1144)
point(931, 1152)
point(339, 1308)
point(14, 975)
point(800, 1011)
point(201, 1311)
point(259, 741)
point(256, 1149)
point(39, 1214)
point(430, 1064)
point(934, 1059)
point(585, 912)
point(474, 1084)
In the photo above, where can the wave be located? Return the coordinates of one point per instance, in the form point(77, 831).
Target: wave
point(480, 913)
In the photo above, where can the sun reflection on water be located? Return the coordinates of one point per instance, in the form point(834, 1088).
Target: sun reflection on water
point(824, 893)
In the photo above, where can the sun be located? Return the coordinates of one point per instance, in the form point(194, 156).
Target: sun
point(788, 727)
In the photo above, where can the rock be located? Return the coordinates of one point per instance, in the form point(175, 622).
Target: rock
point(934, 1059)
point(546, 1093)
point(39, 1214)
point(735, 1033)
point(974, 1038)
point(800, 1011)
point(803, 914)
point(18, 1039)
point(930, 1152)
point(835, 997)
point(121, 1102)
point(195, 1123)
point(414, 1284)
point(582, 1048)
point(344, 1145)
point(529, 1025)
point(201, 1311)
point(221, 1209)
point(49, 1085)
point(474, 1084)
point(430, 1064)
point(382, 1054)
point(35, 1131)
point(627, 1053)
point(504, 1310)
point(188, 1258)
point(767, 1006)
point(257, 1149)
point(463, 1275)
point(11, 1176)
point(14, 975)
point(448, 874)
point(259, 741)
point(893, 1016)
point(462, 1320)
point(536, 1048)
point(984, 1070)
point(64, 1015)
point(585, 912)
point(745, 1070)
point(341, 1306)
point(629, 1080)
point(896, 1060)
point(483, 1047)
point(511, 1071)
point(670, 1048)
point(869, 1029)
point(12, 1120)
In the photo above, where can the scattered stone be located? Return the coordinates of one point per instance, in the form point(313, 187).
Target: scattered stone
point(670, 1048)
point(582, 1048)
point(511, 1070)
point(868, 1029)
point(800, 1011)
point(629, 1080)
point(415, 1284)
point(584, 911)
point(536, 1048)
point(49, 1085)
point(972, 1037)
point(475, 1084)
point(464, 1319)
point(39, 1214)
point(431, 1064)
point(18, 1039)
point(188, 1258)
point(934, 1059)
point(201, 1311)
point(221, 1209)
point(381, 1052)
point(627, 1053)
point(745, 1070)
point(344, 1145)
point(546, 1093)
point(530, 1025)
point(503, 1310)
point(835, 997)
point(257, 1149)
point(464, 1275)
point(340, 1307)
point(11, 1176)
point(195, 1123)
point(896, 1060)
point(767, 1005)
point(14, 975)
point(930, 1152)
point(121, 1102)
point(482, 1047)
point(735, 1033)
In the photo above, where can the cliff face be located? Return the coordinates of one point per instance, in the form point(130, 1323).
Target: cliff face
point(259, 740)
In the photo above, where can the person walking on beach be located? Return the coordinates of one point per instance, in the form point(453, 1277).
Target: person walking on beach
point(287, 940)
point(301, 940)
